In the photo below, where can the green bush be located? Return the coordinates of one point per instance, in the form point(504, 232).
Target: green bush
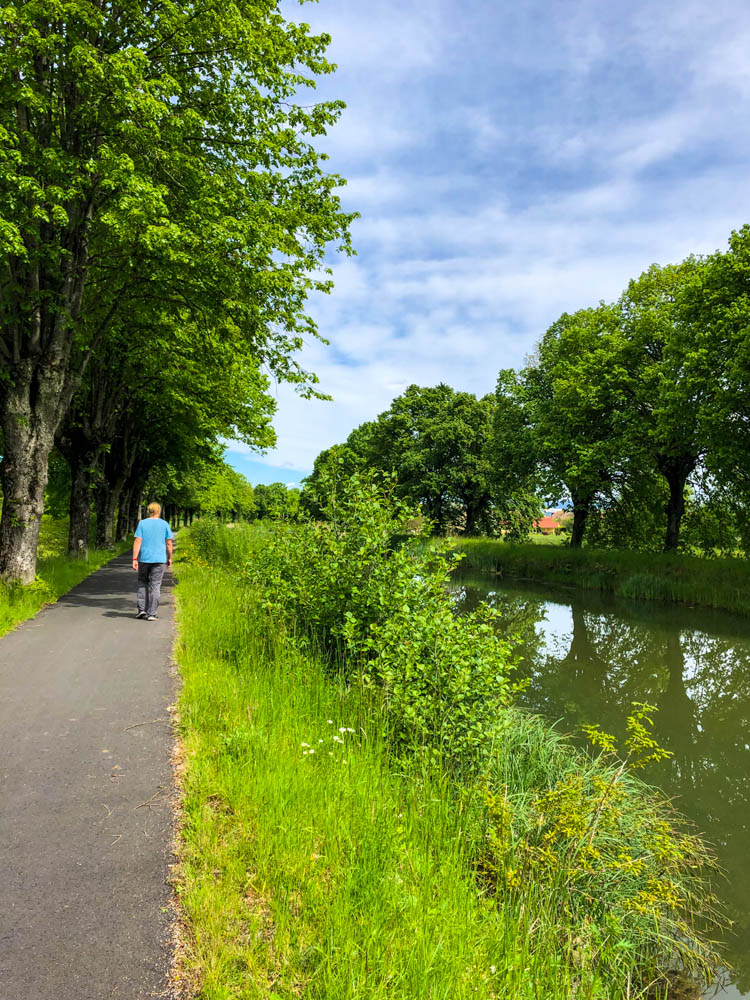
point(380, 608)
point(445, 679)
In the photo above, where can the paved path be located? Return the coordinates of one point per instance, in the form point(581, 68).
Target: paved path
point(85, 780)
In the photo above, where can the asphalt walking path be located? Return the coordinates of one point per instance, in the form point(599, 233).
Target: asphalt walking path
point(85, 796)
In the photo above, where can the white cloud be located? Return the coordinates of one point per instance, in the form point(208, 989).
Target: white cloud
point(726, 64)
point(510, 164)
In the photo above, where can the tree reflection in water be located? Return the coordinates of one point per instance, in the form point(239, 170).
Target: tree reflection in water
point(587, 657)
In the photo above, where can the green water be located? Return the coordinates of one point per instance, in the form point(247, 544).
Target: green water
point(587, 657)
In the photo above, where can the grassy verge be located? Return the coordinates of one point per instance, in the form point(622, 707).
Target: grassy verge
point(56, 574)
point(713, 583)
point(315, 863)
point(322, 873)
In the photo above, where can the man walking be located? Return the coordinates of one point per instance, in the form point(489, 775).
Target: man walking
point(153, 543)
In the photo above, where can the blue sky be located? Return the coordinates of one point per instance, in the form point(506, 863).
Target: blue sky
point(510, 162)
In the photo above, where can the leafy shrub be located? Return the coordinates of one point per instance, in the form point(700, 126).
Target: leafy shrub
point(382, 610)
point(208, 536)
point(323, 574)
point(444, 678)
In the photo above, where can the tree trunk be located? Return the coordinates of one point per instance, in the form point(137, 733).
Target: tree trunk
point(581, 510)
point(434, 509)
point(30, 410)
point(676, 471)
point(123, 514)
point(470, 525)
point(24, 477)
point(81, 466)
point(675, 510)
point(134, 513)
point(106, 504)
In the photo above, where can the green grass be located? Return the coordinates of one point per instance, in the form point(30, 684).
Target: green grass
point(325, 874)
point(340, 874)
point(56, 574)
point(539, 539)
point(685, 579)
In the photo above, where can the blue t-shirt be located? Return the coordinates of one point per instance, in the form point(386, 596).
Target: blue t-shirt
point(153, 533)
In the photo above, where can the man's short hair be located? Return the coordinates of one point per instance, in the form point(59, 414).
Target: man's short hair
point(154, 508)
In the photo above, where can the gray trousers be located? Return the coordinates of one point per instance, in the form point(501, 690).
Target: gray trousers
point(149, 586)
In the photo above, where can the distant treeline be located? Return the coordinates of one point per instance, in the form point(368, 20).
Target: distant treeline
point(205, 487)
point(634, 414)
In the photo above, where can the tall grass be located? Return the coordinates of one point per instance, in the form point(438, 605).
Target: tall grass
point(308, 864)
point(315, 863)
point(56, 574)
point(714, 583)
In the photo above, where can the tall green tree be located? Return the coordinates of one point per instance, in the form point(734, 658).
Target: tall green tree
point(436, 442)
point(677, 378)
point(222, 491)
point(572, 415)
point(514, 462)
point(153, 388)
point(149, 158)
point(277, 502)
point(724, 308)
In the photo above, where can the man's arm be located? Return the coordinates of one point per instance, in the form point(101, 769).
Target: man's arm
point(136, 550)
point(169, 552)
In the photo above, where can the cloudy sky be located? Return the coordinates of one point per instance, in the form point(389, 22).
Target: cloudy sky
point(510, 162)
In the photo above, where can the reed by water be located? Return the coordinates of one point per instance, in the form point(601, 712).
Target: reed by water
point(685, 579)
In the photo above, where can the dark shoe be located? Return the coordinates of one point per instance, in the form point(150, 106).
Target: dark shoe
point(151, 618)
point(141, 614)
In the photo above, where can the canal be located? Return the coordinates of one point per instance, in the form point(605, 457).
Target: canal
point(586, 657)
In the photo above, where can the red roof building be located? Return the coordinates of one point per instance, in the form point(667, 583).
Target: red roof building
point(547, 525)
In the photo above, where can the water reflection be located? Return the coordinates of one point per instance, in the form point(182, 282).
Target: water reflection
point(587, 657)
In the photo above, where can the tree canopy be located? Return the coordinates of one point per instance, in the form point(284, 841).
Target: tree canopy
point(435, 440)
point(157, 172)
point(634, 415)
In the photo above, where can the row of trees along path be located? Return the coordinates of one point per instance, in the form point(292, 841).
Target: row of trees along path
point(164, 217)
